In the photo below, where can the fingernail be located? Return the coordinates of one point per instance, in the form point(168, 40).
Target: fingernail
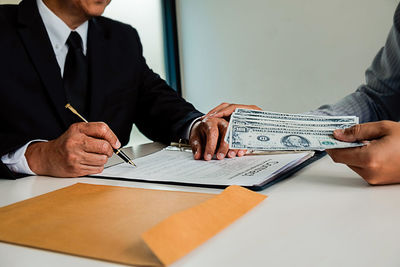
point(208, 157)
point(232, 153)
point(240, 153)
point(221, 155)
point(339, 131)
point(118, 144)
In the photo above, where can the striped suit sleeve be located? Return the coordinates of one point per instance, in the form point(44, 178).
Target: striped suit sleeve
point(379, 97)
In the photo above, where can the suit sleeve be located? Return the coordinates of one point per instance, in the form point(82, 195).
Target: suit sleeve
point(379, 98)
point(162, 115)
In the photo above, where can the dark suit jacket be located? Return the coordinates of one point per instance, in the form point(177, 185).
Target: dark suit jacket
point(123, 90)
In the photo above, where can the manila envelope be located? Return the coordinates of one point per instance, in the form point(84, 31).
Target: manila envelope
point(108, 222)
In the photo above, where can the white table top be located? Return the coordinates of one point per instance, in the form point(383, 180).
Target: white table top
point(325, 215)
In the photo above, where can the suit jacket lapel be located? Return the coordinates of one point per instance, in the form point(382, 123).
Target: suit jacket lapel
point(34, 36)
point(99, 63)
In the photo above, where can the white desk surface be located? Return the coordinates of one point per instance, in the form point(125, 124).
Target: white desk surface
point(325, 215)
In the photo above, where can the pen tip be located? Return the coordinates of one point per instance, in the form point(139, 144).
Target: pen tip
point(133, 164)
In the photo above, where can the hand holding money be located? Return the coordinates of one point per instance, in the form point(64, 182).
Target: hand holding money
point(378, 161)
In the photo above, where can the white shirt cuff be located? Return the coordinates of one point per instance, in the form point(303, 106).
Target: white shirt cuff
point(186, 134)
point(16, 161)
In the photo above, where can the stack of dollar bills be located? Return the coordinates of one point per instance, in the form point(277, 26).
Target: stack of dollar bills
point(272, 131)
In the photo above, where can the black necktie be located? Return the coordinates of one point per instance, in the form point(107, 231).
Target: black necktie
point(76, 74)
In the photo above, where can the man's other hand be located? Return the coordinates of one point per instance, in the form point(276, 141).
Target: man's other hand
point(207, 135)
point(82, 150)
point(378, 162)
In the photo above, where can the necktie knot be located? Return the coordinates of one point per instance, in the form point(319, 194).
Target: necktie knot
point(74, 40)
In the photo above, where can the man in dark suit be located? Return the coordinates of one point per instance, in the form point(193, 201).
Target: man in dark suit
point(58, 51)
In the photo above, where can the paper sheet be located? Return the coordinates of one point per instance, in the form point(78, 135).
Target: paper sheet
point(180, 167)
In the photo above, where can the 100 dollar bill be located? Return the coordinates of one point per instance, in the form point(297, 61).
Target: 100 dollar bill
point(276, 138)
point(260, 114)
point(290, 124)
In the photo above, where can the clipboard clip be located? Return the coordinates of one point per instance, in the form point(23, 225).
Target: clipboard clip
point(183, 145)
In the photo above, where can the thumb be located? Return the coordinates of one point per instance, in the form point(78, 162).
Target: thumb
point(360, 132)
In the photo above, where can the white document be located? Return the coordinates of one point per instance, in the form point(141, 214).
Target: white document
point(180, 167)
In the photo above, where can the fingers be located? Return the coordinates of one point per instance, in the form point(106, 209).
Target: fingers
point(92, 159)
point(84, 163)
point(356, 156)
point(98, 146)
point(100, 130)
point(80, 164)
point(241, 152)
point(195, 140)
point(207, 135)
point(87, 148)
point(232, 153)
point(236, 152)
point(196, 145)
point(218, 108)
point(211, 141)
point(362, 157)
point(223, 146)
point(366, 131)
point(88, 170)
point(225, 110)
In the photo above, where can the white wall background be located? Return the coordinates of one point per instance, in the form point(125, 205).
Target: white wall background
point(146, 17)
point(283, 55)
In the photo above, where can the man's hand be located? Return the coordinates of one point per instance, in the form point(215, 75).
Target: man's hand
point(82, 150)
point(378, 162)
point(207, 135)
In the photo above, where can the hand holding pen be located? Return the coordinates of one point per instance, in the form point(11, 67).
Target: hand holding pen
point(81, 150)
point(117, 151)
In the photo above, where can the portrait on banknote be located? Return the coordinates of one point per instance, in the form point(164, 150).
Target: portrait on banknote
point(295, 141)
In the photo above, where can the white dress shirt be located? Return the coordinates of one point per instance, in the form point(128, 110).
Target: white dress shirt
point(58, 33)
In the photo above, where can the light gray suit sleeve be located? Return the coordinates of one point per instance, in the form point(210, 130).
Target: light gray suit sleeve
point(379, 98)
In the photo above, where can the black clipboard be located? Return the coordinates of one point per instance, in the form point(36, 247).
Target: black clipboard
point(280, 177)
point(284, 175)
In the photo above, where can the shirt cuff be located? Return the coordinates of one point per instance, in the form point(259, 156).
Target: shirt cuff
point(16, 161)
point(186, 134)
